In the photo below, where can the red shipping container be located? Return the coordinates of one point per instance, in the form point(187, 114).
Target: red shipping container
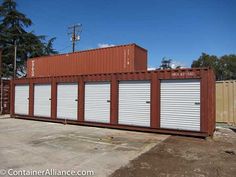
point(124, 58)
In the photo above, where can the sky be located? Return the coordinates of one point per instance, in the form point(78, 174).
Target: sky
point(177, 29)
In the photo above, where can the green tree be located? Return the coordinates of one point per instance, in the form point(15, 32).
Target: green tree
point(224, 67)
point(48, 49)
point(13, 25)
point(228, 66)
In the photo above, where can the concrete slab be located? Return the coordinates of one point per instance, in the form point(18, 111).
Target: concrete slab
point(35, 145)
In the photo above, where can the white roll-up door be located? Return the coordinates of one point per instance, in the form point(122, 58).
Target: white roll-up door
point(97, 102)
point(180, 104)
point(22, 99)
point(134, 103)
point(67, 101)
point(42, 100)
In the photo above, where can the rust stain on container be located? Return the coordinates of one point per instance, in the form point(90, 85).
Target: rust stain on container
point(124, 58)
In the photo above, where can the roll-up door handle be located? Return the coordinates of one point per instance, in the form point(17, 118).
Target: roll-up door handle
point(27, 98)
point(197, 103)
point(50, 99)
point(108, 101)
point(148, 102)
point(76, 99)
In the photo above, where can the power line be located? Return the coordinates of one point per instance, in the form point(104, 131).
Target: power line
point(64, 48)
point(74, 32)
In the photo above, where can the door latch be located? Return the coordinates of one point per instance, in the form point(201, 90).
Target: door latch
point(108, 101)
point(197, 103)
point(148, 102)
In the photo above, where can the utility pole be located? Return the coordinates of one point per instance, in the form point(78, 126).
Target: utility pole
point(15, 53)
point(74, 32)
point(15, 50)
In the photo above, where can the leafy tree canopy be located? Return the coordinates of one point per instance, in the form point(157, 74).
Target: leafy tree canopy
point(13, 25)
point(224, 67)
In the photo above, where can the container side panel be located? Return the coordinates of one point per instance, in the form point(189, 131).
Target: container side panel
point(98, 106)
point(155, 101)
point(28, 70)
point(81, 100)
point(211, 103)
point(231, 101)
point(226, 102)
point(214, 101)
point(31, 99)
point(140, 59)
point(234, 105)
point(107, 60)
point(53, 99)
point(114, 100)
point(5, 93)
point(219, 102)
point(12, 101)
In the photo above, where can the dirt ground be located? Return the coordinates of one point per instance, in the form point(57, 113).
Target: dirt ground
point(187, 157)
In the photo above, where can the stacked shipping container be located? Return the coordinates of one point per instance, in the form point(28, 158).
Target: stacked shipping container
point(124, 58)
point(169, 101)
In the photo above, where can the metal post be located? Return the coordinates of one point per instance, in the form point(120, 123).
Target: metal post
point(73, 39)
point(15, 47)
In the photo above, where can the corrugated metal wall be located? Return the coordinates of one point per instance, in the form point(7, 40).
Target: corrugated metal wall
point(4, 96)
point(124, 100)
point(226, 101)
point(125, 58)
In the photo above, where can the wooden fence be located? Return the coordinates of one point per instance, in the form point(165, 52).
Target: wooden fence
point(226, 101)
